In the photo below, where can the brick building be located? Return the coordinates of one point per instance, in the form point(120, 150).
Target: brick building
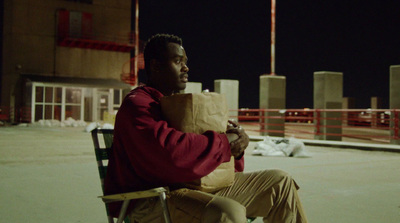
point(64, 58)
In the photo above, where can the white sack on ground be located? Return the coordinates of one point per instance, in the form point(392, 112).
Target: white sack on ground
point(94, 125)
point(69, 122)
point(91, 126)
point(107, 126)
point(281, 147)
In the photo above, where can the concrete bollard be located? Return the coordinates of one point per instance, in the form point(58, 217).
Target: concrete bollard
point(348, 103)
point(328, 94)
point(192, 87)
point(273, 96)
point(230, 88)
point(376, 103)
point(394, 103)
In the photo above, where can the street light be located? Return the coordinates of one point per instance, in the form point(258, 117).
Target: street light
point(136, 64)
point(273, 11)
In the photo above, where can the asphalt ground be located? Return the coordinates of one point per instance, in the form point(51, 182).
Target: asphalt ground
point(49, 174)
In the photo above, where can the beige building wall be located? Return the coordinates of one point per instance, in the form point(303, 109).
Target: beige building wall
point(76, 62)
point(30, 42)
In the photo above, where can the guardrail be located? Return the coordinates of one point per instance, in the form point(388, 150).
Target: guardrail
point(4, 114)
point(15, 115)
point(367, 125)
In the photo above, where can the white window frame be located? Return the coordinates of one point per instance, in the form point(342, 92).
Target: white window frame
point(112, 106)
point(53, 103)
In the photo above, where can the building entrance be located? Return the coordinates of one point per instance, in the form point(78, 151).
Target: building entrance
point(103, 103)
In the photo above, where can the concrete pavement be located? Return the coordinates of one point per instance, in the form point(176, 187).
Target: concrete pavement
point(50, 175)
point(342, 185)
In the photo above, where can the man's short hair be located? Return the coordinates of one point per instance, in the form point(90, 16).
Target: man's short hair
point(156, 46)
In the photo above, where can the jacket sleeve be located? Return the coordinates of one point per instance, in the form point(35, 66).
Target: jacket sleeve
point(239, 164)
point(161, 153)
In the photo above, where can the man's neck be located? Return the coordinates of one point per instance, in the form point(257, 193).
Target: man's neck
point(165, 92)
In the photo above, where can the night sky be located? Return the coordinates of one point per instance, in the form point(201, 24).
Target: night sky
point(231, 40)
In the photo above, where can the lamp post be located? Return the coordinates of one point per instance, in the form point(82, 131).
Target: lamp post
point(273, 11)
point(136, 64)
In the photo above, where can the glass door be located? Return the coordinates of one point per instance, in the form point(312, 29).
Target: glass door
point(103, 102)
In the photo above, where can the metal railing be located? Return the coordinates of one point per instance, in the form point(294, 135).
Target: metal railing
point(367, 125)
point(15, 115)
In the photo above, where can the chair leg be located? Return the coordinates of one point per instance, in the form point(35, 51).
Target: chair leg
point(163, 199)
point(110, 219)
point(121, 217)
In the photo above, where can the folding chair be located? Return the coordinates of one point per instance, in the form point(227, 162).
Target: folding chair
point(102, 148)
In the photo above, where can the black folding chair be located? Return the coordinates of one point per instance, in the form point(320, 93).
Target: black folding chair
point(102, 140)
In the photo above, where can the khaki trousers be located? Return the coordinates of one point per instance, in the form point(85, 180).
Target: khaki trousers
point(271, 194)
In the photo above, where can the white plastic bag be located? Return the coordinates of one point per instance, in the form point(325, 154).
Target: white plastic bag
point(281, 147)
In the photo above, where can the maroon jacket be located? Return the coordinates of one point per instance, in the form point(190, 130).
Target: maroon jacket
point(147, 153)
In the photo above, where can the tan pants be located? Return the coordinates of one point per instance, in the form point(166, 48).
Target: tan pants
point(271, 194)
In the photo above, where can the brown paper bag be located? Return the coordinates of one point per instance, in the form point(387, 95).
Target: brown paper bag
point(197, 113)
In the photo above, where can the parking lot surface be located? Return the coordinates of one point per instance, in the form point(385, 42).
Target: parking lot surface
point(50, 175)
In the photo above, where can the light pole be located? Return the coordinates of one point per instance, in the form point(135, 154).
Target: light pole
point(273, 11)
point(136, 64)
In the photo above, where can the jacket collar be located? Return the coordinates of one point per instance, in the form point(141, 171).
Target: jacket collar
point(156, 94)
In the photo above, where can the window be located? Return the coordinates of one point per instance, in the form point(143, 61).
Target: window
point(73, 103)
point(39, 94)
point(55, 102)
point(47, 102)
point(117, 99)
point(88, 104)
point(56, 105)
point(73, 95)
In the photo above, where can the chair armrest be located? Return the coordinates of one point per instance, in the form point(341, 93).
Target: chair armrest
point(154, 192)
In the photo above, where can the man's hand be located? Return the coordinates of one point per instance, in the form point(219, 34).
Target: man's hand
point(239, 144)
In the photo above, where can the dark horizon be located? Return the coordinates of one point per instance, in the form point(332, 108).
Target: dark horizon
point(231, 40)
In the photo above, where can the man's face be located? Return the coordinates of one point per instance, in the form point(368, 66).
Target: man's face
point(173, 69)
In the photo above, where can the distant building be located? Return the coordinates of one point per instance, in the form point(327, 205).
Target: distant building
point(65, 58)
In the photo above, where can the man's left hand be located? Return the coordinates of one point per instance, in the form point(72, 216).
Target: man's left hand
point(239, 145)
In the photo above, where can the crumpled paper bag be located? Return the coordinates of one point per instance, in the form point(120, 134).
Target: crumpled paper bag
point(197, 113)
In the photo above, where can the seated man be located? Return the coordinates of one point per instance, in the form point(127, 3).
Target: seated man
point(147, 153)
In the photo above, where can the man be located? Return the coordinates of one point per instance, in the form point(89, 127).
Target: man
point(147, 153)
